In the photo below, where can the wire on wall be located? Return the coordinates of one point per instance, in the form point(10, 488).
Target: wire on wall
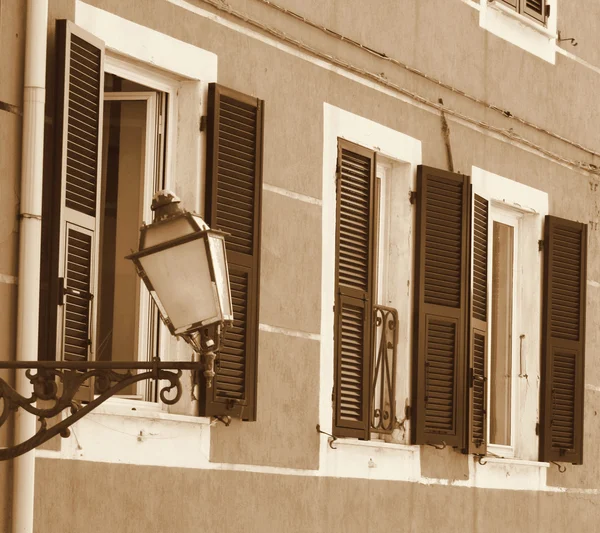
point(380, 79)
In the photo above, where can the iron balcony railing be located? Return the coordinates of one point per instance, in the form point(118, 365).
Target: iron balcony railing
point(383, 385)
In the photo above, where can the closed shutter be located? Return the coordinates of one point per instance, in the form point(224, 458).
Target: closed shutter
point(354, 289)
point(233, 205)
point(563, 341)
point(441, 287)
point(478, 329)
point(80, 80)
point(535, 9)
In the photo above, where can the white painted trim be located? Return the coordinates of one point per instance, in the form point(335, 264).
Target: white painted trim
point(519, 30)
point(529, 207)
point(293, 195)
point(144, 44)
point(403, 152)
point(9, 280)
point(577, 59)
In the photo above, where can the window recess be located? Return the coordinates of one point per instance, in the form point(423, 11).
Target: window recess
point(366, 330)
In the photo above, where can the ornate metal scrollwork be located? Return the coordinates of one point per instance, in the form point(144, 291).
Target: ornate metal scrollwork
point(58, 383)
point(383, 390)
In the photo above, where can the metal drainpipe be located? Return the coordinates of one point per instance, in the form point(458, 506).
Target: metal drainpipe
point(30, 239)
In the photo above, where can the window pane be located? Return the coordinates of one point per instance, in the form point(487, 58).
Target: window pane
point(501, 334)
point(125, 134)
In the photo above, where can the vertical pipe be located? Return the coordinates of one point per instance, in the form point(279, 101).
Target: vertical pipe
point(30, 234)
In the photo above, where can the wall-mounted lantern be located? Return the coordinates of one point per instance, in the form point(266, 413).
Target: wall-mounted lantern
point(183, 264)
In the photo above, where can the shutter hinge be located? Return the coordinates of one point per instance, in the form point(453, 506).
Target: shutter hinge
point(407, 412)
point(203, 120)
point(540, 245)
point(537, 428)
point(547, 11)
point(412, 197)
point(332, 395)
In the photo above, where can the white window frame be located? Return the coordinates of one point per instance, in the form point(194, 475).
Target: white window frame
point(182, 71)
point(401, 155)
point(526, 207)
point(510, 217)
point(520, 30)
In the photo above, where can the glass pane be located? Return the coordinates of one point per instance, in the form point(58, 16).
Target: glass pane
point(181, 276)
point(219, 256)
point(501, 334)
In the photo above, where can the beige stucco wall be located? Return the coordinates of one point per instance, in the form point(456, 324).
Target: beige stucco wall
point(441, 38)
point(182, 500)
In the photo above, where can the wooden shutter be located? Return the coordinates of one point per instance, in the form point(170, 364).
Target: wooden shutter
point(233, 205)
point(441, 287)
point(535, 9)
point(354, 277)
point(478, 329)
point(512, 3)
point(80, 81)
point(563, 341)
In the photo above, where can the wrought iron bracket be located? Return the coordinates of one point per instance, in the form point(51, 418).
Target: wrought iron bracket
point(58, 383)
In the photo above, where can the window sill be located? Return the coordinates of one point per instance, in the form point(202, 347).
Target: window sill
point(521, 19)
point(376, 444)
point(509, 473)
point(125, 407)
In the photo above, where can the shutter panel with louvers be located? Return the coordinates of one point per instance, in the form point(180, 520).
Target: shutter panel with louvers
point(535, 9)
point(354, 289)
point(563, 341)
point(477, 377)
point(440, 307)
point(80, 80)
point(233, 205)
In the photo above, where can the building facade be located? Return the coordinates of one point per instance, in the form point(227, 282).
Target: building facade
point(410, 192)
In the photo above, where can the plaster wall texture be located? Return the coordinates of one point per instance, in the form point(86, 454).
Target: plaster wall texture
point(183, 500)
point(294, 90)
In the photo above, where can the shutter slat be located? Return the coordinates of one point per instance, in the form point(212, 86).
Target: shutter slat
point(440, 307)
point(563, 341)
point(233, 200)
point(354, 271)
point(478, 329)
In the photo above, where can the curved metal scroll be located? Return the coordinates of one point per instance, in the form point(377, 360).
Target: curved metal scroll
point(59, 382)
point(383, 390)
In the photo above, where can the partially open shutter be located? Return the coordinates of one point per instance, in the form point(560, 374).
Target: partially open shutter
point(354, 289)
point(80, 81)
point(563, 341)
point(441, 287)
point(478, 329)
point(535, 9)
point(233, 205)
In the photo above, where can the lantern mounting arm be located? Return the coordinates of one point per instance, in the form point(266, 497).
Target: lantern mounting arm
point(57, 383)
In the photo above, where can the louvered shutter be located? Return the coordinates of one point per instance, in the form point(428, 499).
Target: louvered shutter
point(563, 341)
point(478, 329)
point(354, 289)
point(535, 9)
point(233, 205)
point(512, 3)
point(439, 366)
point(80, 80)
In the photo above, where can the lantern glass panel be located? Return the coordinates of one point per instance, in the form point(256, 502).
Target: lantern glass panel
point(181, 277)
point(219, 258)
